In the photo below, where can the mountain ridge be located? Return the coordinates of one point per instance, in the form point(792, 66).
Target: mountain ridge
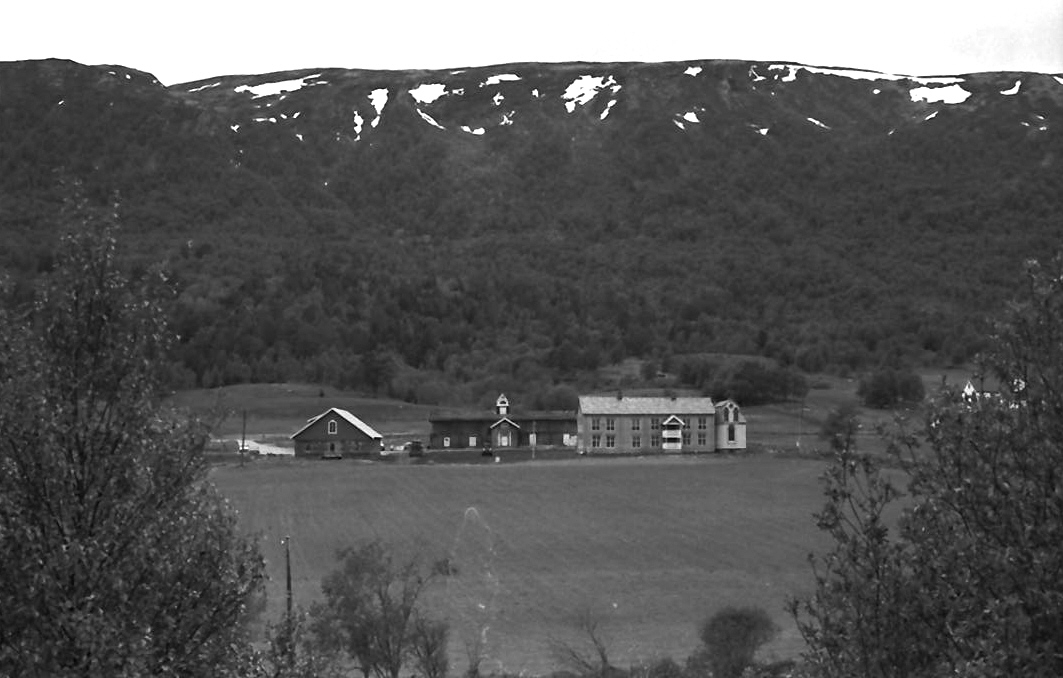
point(526, 222)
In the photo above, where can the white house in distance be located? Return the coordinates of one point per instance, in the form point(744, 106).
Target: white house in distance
point(646, 424)
point(336, 433)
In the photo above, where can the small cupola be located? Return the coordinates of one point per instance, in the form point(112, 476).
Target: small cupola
point(502, 405)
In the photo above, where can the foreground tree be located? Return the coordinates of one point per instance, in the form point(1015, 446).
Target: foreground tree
point(971, 582)
point(118, 558)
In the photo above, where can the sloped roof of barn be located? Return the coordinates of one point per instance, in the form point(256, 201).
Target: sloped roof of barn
point(343, 414)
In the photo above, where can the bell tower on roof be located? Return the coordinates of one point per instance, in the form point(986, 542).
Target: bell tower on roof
point(502, 405)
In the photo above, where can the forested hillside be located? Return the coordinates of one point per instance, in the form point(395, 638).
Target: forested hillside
point(440, 235)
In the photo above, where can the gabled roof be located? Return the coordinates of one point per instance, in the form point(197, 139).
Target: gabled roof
point(725, 404)
point(635, 405)
point(506, 419)
point(344, 414)
point(673, 419)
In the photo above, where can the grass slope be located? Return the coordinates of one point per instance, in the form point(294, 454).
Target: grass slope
point(650, 545)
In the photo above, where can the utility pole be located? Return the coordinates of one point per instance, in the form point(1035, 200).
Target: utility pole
point(288, 575)
point(289, 627)
point(243, 440)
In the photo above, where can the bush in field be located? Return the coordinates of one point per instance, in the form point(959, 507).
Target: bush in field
point(887, 388)
point(371, 615)
point(840, 428)
point(730, 639)
point(970, 583)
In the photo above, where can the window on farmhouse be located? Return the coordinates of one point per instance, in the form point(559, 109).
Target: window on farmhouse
point(730, 433)
point(446, 441)
point(636, 441)
point(702, 423)
point(686, 437)
point(610, 441)
point(655, 424)
point(636, 424)
point(702, 439)
point(655, 441)
point(596, 424)
point(610, 424)
point(472, 441)
point(333, 427)
point(596, 441)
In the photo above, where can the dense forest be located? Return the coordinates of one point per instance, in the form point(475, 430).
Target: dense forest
point(511, 236)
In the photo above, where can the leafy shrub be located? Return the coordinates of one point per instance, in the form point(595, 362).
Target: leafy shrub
point(731, 637)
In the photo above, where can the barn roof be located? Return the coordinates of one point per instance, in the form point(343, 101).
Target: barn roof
point(344, 414)
point(634, 405)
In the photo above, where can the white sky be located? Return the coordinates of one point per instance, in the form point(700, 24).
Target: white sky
point(196, 39)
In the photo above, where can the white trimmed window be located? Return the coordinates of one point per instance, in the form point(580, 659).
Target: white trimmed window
point(333, 427)
point(636, 441)
point(596, 440)
point(472, 441)
point(446, 441)
point(610, 441)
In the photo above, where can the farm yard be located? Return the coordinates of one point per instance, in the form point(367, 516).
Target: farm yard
point(651, 546)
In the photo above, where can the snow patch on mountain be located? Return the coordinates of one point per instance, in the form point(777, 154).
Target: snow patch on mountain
point(272, 88)
point(478, 131)
point(608, 107)
point(502, 77)
point(1013, 90)
point(584, 88)
point(379, 99)
point(429, 119)
point(950, 94)
point(817, 123)
point(693, 71)
point(203, 87)
point(497, 99)
point(427, 93)
point(691, 116)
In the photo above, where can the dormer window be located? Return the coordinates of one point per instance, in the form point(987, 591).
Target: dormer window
point(333, 427)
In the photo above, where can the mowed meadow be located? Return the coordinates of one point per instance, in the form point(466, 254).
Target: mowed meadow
point(649, 546)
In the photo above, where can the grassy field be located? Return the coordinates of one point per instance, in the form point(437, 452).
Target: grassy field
point(651, 546)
